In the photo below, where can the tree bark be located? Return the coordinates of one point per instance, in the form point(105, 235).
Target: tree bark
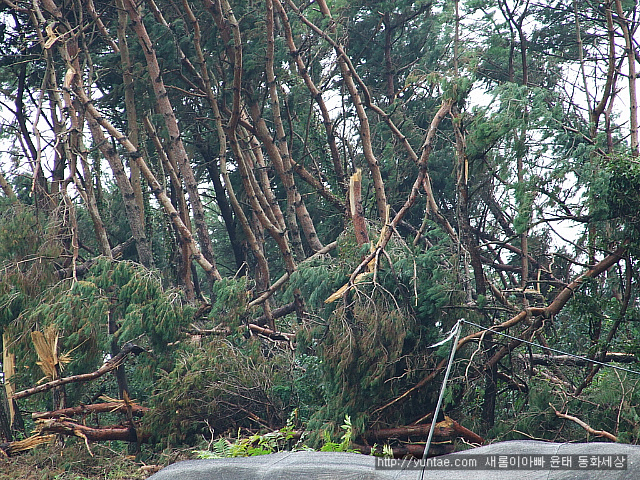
point(175, 148)
point(156, 188)
point(447, 429)
point(84, 410)
point(109, 433)
point(131, 207)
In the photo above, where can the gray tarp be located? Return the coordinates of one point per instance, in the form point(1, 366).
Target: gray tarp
point(324, 466)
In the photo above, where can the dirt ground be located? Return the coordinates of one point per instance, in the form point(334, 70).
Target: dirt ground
point(74, 462)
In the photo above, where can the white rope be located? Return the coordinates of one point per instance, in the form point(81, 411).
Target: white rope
point(455, 334)
point(555, 350)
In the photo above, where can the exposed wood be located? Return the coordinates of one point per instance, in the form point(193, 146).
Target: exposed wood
point(7, 188)
point(19, 446)
point(273, 335)
point(357, 212)
point(446, 429)
point(109, 365)
point(219, 330)
point(8, 367)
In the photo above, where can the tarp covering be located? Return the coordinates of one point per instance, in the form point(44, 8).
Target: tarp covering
point(601, 461)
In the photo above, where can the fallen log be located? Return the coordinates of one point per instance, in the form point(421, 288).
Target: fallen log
point(287, 337)
point(136, 410)
point(447, 429)
point(109, 365)
point(19, 446)
point(126, 433)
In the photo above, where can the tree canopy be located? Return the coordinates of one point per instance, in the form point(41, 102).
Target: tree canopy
point(284, 204)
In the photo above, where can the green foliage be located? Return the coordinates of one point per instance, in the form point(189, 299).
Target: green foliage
point(28, 244)
point(345, 443)
point(230, 301)
point(220, 385)
point(74, 462)
point(622, 195)
point(253, 445)
point(272, 442)
point(123, 294)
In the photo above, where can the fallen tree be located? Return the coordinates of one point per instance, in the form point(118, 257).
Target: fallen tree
point(108, 366)
point(19, 446)
point(106, 407)
point(126, 433)
point(447, 429)
point(539, 314)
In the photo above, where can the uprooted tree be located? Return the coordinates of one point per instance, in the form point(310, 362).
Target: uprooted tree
point(284, 204)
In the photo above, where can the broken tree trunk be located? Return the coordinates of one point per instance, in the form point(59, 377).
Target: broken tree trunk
point(19, 446)
point(357, 211)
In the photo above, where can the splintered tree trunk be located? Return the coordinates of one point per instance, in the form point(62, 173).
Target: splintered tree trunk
point(5, 422)
point(357, 213)
point(59, 394)
point(8, 367)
